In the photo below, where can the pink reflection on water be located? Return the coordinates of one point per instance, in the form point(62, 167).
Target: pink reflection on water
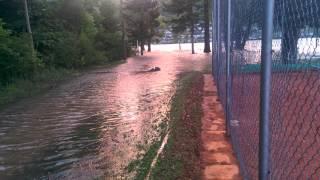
point(91, 126)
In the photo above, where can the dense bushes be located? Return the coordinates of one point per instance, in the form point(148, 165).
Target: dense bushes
point(17, 59)
point(67, 34)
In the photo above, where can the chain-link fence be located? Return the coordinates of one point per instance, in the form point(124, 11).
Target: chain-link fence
point(295, 84)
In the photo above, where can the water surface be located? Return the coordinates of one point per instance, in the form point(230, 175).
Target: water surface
point(92, 125)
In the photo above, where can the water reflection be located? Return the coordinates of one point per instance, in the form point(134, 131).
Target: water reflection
point(90, 127)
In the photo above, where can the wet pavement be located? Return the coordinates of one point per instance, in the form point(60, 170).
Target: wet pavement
point(93, 125)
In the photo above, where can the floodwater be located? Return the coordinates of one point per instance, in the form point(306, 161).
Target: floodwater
point(93, 125)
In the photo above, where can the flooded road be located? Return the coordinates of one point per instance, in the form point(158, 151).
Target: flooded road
point(93, 125)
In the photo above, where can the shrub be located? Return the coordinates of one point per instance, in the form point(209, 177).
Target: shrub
point(17, 58)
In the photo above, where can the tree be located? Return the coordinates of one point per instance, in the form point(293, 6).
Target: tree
point(109, 37)
point(292, 17)
point(17, 59)
point(184, 15)
point(206, 26)
point(26, 12)
point(141, 18)
point(12, 14)
point(152, 21)
point(247, 13)
point(123, 32)
point(60, 29)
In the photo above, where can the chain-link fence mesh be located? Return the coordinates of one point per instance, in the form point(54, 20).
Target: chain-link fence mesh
point(295, 99)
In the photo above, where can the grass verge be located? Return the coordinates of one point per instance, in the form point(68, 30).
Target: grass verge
point(180, 158)
point(142, 165)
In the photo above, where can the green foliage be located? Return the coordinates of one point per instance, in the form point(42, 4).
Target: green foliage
point(143, 164)
point(65, 52)
point(67, 34)
point(110, 43)
point(142, 19)
point(89, 54)
point(12, 12)
point(180, 156)
point(182, 15)
point(17, 59)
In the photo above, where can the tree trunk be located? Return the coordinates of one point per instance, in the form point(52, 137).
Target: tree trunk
point(26, 14)
point(192, 30)
point(237, 38)
point(207, 48)
point(246, 35)
point(192, 39)
point(124, 43)
point(242, 35)
point(289, 44)
point(142, 47)
point(149, 45)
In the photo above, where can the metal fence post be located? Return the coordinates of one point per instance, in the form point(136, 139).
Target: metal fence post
point(265, 90)
point(214, 36)
point(218, 38)
point(228, 70)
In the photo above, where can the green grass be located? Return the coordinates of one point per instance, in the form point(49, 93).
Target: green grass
point(141, 166)
point(167, 167)
point(179, 157)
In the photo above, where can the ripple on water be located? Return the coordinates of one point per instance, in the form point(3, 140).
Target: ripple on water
point(2, 168)
point(92, 125)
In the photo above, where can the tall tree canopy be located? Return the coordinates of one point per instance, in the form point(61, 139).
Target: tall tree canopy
point(292, 16)
point(184, 15)
point(206, 9)
point(141, 17)
point(67, 33)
